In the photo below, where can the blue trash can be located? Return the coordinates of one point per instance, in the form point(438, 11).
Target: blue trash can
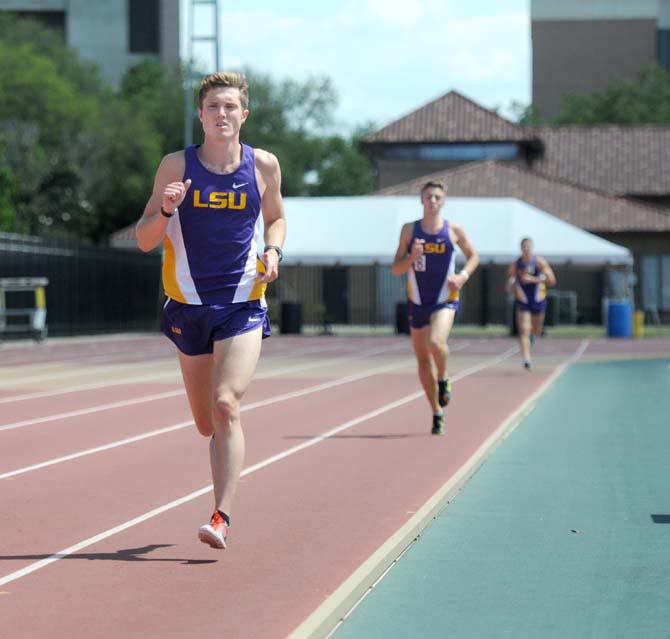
point(619, 318)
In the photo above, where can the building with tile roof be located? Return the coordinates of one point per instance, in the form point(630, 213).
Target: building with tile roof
point(611, 180)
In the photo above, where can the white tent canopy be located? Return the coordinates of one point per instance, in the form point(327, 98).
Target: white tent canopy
point(365, 229)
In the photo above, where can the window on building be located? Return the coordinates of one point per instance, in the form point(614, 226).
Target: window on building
point(663, 48)
point(144, 26)
point(655, 271)
point(53, 19)
point(452, 152)
point(665, 282)
point(649, 270)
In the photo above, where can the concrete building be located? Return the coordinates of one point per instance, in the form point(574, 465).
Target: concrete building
point(581, 46)
point(115, 34)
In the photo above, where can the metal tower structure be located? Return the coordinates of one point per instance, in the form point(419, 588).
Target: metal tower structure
point(201, 15)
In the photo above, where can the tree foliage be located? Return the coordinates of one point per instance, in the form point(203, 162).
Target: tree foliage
point(643, 101)
point(80, 159)
point(294, 120)
point(527, 115)
point(77, 158)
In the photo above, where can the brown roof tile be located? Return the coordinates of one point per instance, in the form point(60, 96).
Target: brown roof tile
point(631, 160)
point(450, 118)
point(586, 208)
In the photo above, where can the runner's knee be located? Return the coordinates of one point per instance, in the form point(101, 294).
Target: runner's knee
point(226, 409)
point(438, 345)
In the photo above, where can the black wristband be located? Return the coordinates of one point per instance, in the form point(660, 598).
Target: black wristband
point(165, 213)
point(280, 253)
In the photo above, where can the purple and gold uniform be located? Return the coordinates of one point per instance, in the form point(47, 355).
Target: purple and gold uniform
point(531, 297)
point(210, 262)
point(427, 288)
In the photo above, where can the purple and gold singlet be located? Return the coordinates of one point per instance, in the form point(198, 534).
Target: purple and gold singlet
point(427, 278)
point(532, 294)
point(211, 245)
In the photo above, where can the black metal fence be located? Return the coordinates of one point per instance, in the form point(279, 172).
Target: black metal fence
point(96, 289)
point(91, 289)
point(369, 295)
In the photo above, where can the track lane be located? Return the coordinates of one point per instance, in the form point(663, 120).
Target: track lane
point(136, 419)
point(326, 407)
point(290, 514)
point(126, 568)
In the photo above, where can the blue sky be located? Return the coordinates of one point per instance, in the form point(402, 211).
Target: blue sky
point(385, 58)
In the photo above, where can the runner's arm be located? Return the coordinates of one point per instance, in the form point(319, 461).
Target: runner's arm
point(168, 193)
point(272, 207)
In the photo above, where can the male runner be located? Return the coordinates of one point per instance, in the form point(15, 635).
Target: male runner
point(529, 276)
point(427, 253)
point(205, 208)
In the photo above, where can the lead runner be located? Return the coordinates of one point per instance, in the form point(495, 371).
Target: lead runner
point(205, 208)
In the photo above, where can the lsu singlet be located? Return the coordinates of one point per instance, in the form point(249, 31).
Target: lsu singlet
point(427, 278)
point(210, 249)
point(530, 293)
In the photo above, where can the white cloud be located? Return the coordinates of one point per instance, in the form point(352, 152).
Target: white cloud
point(387, 57)
point(400, 13)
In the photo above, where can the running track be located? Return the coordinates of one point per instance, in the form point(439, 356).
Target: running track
point(103, 481)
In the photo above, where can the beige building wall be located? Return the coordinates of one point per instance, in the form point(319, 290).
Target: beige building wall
point(584, 56)
point(581, 46)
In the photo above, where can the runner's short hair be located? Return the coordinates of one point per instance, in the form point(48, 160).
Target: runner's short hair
point(433, 184)
point(225, 79)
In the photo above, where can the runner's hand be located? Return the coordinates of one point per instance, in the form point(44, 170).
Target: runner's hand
point(271, 261)
point(455, 282)
point(417, 249)
point(174, 194)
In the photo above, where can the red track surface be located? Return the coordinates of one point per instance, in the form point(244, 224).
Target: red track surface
point(302, 524)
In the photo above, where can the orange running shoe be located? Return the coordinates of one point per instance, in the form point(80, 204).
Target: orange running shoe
point(215, 532)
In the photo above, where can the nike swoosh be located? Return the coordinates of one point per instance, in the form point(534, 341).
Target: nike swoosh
point(237, 186)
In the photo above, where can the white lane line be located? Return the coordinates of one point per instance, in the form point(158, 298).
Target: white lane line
point(168, 429)
point(174, 373)
point(141, 378)
point(89, 411)
point(246, 407)
point(175, 393)
point(86, 371)
point(97, 449)
point(580, 350)
point(66, 552)
point(84, 387)
point(93, 362)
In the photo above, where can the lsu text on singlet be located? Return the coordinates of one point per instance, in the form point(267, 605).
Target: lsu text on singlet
point(427, 278)
point(531, 293)
point(211, 244)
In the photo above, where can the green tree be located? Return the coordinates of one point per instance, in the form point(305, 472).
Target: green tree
point(342, 168)
point(82, 159)
point(527, 115)
point(81, 156)
point(8, 222)
point(643, 101)
point(157, 95)
point(293, 120)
